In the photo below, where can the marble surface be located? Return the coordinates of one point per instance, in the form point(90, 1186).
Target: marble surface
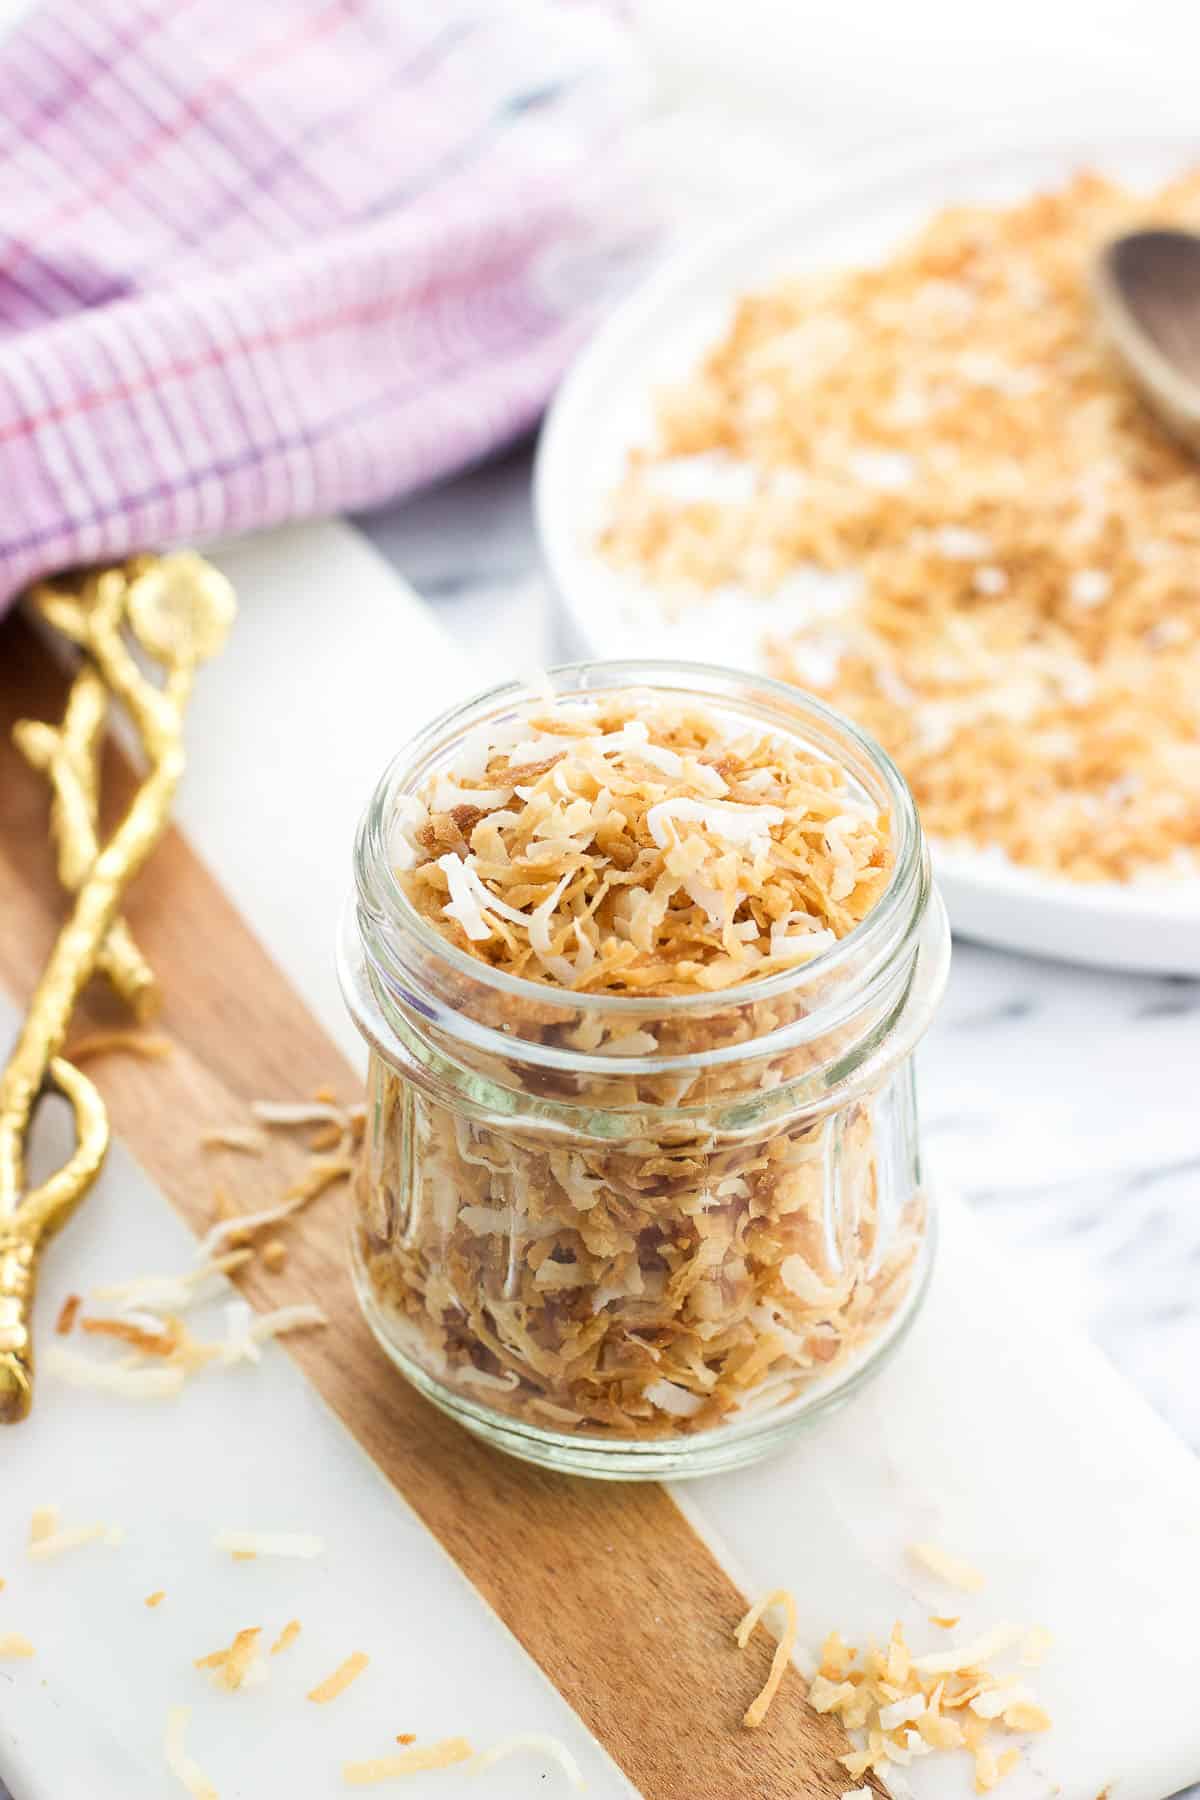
point(1061, 1102)
point(1079, 1504)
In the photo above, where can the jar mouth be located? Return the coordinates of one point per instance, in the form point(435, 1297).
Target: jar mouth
point(766, 702)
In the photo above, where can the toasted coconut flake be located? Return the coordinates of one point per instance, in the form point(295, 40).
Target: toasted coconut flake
point(232, 1665)
point(1008, 557)
point(274, 1255)
point(911, 1707)
point(156, 1598)
point(658, 1288)
point(1026, 1715)
point(150, 1343)
point(340, 1680)
point(243, 1138)
point(409, 1762)
point(126, 1043)
point(43, 1524)
point(286, 1638)
point(537, 1741)
point(307, 1189)
point(948, 1567)
point(68, 1313)
point(945, 1623)
point(173, 1293)
point(326, 1137)
point(1035, 1647)
point(967, 1656)
point(13, 1645)
point(756, 1712)
point(57, 1543)
point(179, 1762)
point(269, 1543)
point(114, 1378)
point(286, 1113)
point(244, 1338)
point(406, 1737)
point(902, 1711)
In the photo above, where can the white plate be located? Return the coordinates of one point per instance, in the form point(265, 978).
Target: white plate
point(604, 407)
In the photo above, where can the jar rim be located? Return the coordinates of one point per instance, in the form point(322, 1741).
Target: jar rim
point(895, 913)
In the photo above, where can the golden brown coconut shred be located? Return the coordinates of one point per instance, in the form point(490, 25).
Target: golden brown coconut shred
point(660, 1284)
point(950, 425)
point(648, 852)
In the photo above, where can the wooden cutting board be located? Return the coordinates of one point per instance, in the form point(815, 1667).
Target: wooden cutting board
point(568, 1565)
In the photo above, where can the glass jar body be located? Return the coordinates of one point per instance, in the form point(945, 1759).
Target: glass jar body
point(644, 1240)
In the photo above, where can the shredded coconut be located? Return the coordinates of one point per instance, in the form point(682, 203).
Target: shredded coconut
point(114, 1378)
point(1034, 575)
point(897, 1707)
point(57, 1543)
point(269, 1543)
point(947, 1567)
point(541, 1743)
point(302, 1112)
point(340, 1680)
point(408, 1762)
point(756, 1712)
point(656, 1286)
point(179, 1762)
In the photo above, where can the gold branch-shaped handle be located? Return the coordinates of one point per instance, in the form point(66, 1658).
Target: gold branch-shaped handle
point(177, 609)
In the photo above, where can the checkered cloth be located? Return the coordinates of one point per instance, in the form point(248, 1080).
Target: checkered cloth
point(262, 260)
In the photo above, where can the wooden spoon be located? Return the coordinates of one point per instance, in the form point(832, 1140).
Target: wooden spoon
point(1147, 289)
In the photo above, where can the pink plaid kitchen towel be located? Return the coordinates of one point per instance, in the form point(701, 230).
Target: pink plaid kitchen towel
point(268, 258)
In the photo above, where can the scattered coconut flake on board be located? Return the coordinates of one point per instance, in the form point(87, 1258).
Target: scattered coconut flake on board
point(286, 1113)
point(68, 1313)
point(57, 1543)
point(947, 1567)
point(233, 1664)
point(340, 1680)
point(982, 1650)
point(43, 1523)
point(896, 1706)
point(756, 1712)
point(235, 1137)
point(247, 1331)
point(409, 1762)
point(541, 1744)
point(269, 1543)
point(156, 1598)
point(115, 1378)
point(13, 1645)
point(286, 1638)
point(173, 1293)
point(179, 1762)
point(310, 1186)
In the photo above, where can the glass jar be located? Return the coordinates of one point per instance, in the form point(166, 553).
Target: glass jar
point(635, 1236)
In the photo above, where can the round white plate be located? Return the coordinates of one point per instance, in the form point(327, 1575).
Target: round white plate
point(604, 408)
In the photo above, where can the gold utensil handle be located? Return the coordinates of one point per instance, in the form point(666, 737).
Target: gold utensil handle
point(177, 610)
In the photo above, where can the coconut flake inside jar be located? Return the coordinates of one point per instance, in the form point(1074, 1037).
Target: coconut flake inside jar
point(642, 962)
